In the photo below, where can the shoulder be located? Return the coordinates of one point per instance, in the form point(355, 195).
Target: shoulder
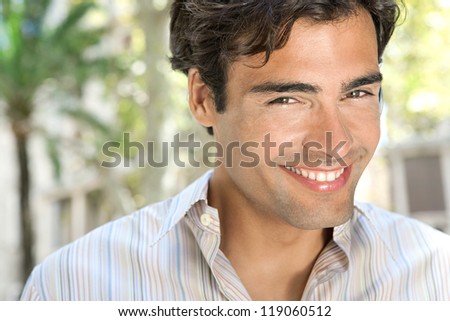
point(395, 257)
point(391, 225)
point(111, 262)
point(404, 236)
point(85, 268)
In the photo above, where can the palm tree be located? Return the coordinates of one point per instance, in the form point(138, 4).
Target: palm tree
point(30, 53)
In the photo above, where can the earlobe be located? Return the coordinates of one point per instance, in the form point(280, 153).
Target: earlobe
point(201, 102)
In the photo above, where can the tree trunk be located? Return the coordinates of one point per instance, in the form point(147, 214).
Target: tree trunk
point(26, 226)
point(155, 23)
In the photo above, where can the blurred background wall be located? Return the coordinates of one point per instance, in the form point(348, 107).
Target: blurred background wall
point(75, 75)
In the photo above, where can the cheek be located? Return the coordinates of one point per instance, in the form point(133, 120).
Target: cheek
point(362, 124)
point(374, 137)
point(368, 131)
point(244, 127)
point(283, 133)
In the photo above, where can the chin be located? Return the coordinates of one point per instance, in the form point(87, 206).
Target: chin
point(319, 216)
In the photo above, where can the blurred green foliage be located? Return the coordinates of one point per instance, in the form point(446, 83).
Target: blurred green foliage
point(32, 55)
point(417, 70)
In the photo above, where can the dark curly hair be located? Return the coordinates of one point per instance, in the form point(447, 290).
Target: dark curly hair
point(210, 35)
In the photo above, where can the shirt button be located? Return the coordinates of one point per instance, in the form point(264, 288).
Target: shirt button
point(205, 219)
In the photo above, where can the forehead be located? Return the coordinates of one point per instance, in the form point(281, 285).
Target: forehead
point(313, 49)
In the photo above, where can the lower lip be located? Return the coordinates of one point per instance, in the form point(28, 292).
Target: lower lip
point(322, 187)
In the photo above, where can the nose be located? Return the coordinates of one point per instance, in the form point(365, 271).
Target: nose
point(329, 139)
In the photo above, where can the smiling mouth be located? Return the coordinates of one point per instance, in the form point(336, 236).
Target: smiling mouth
point(319, 176)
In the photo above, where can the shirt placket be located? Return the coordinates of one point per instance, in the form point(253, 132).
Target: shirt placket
point(206, 221)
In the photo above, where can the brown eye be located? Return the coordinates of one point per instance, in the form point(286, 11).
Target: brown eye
point(283, 101)
point(357, 94)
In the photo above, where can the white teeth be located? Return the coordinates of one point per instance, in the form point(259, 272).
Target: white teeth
point(331, 177)
point(321, 177)
point(317, 176)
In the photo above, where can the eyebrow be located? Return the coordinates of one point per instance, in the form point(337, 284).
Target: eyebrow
point(289, 87)
point(362, 81)
point(285, 87)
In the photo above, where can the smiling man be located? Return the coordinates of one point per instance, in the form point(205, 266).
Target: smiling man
point(325, 79)
point(304, 74)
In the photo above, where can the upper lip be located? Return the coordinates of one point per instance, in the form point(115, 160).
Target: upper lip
point(322, 165)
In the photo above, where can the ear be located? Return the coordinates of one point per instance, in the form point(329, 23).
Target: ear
point(201, 100)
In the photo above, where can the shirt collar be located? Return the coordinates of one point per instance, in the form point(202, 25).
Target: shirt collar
point(335, 257)
point(181, 204)
point(341, 244)
point(342, 233)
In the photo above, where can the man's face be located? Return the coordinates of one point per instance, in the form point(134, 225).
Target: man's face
point(317, 98)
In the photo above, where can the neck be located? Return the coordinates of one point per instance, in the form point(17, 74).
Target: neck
point(263, 247)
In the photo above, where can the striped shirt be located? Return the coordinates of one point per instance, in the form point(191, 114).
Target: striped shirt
point(170, 251)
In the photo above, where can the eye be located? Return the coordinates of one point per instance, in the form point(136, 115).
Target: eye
point(283, 101)
point(355, 94)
